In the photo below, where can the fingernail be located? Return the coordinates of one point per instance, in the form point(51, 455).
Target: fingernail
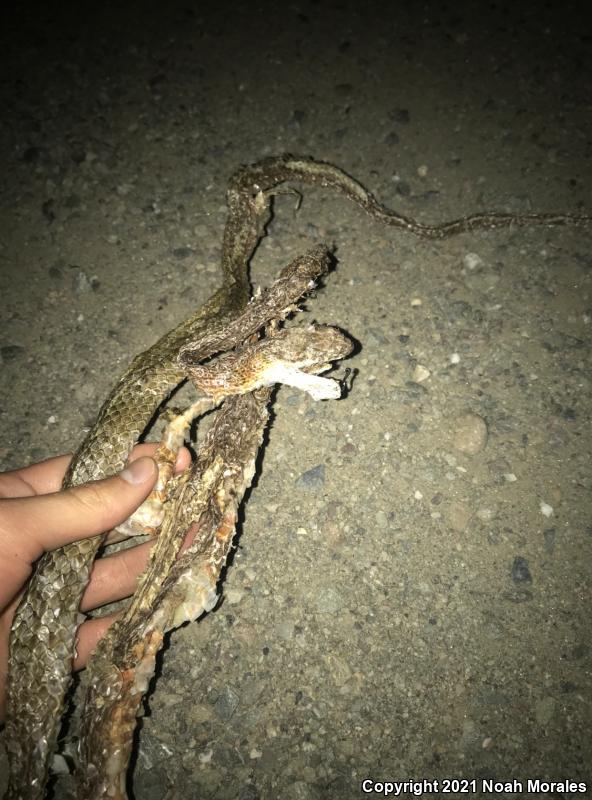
point(139, 471)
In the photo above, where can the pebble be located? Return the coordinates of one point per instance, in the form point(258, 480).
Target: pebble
point(81, 281)
point(339, 669)
point(181, 253)
point(10, 352)
point(234, 596)
point(520, 571)
point(59, 765)
point(549, 535)
point(313, 479)
point(470, 435)
point(458, 516)
point(328, 601)
point(472, 260)
point(381, 520)
point(285, 630)
point(205, 756)
point(420, 373)
point(226, 704)
point(546, 509)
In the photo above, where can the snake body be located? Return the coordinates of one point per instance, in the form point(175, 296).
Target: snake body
point(43, 635)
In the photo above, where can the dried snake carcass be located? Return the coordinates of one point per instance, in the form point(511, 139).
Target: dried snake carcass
point(43, 636)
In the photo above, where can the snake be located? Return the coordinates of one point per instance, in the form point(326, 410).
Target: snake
point(174, 587)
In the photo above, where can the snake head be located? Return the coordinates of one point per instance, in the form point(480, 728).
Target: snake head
point(294, 356)
point(311, 348)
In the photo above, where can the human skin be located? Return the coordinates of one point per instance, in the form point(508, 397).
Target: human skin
point(36, 515)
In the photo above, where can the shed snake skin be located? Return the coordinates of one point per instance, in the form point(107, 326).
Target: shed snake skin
point(173, 588)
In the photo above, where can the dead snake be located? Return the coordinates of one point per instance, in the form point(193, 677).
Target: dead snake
point(43, 635)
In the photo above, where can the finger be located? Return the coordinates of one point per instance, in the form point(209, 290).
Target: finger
point(91, 631)
point(88, 636)
point(148, 449)
point(41, 478)
point(47, 476)
point(44, 522)
point(115, 576)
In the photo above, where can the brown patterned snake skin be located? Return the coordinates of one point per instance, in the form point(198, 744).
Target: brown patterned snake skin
point(172, 589)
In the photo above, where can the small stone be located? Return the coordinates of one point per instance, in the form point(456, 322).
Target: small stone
point(234, 596)
point(339, 669)
point(458, 516)
point(59, 765)
point(381, 520)
point(205, 756)
point(471, 434)
point(285, 630)
point(180, 253)
point(455, 358)
point(420, 373)
point(472, 260)
point(10, 352)
point(546, 509)
point(226, 704)
point(81, 281)
point(549, 535)
point(520, 571)
point(422, 170)
point(329, 601)
point(416, 301)
point(313, 479)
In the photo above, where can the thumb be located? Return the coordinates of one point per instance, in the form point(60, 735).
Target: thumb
point(47, 521)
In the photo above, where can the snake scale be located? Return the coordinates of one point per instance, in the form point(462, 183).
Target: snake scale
point(173, 588)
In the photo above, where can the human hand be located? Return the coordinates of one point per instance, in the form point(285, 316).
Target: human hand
point(36, 516)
